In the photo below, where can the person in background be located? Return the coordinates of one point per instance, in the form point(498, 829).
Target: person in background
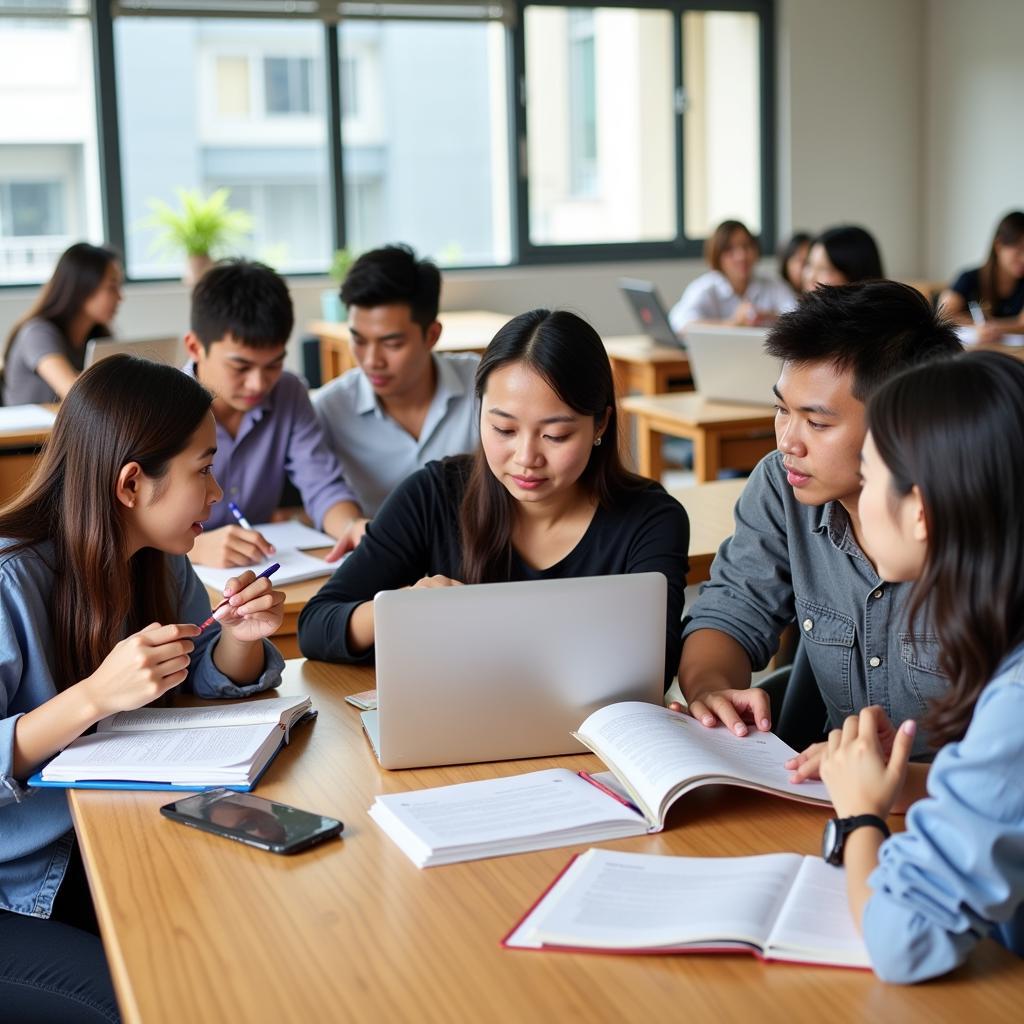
point(940, 506)
point(267, 431)
point(731, 291)
point(996, 289)
point(842, 255)
point(45, 350)
point(402, 405)
point(792, 258)
point(544, 496)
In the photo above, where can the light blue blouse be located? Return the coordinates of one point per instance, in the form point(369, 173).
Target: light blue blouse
point(957, 873)
point(35, 824)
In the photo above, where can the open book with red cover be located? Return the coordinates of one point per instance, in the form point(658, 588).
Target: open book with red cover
point(779, 906)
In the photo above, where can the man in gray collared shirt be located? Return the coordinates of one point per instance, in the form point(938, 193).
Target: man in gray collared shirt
point(795, 551)
point(403, 405)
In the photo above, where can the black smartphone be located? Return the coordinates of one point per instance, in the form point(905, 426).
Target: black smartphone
point(253, 820)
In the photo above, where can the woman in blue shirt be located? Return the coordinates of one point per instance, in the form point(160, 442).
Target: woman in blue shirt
point(98, 606)
point(943, 490)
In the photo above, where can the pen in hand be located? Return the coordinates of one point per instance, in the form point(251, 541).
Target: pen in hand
point(266, 574)
point(239, 517)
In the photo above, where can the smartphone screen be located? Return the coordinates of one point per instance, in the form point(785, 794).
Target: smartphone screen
point(252, 819)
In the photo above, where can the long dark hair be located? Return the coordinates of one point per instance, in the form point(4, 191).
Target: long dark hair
point(79, 272)
point(955, 428)
point(1009, 231)
point(569, 355)
point(122, 409)
point(853, 251)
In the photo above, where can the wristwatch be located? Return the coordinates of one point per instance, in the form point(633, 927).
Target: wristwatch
point(837, 829)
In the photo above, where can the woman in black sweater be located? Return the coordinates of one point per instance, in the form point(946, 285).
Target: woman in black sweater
point(545, 496)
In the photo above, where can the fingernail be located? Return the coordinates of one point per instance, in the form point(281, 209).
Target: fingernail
point(740, 730)
point(909, 727)
point(221, 612)
point(708, 720)
point(272, 549)
point(765, 724)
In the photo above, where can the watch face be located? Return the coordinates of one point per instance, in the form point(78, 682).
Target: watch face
point(831, 842)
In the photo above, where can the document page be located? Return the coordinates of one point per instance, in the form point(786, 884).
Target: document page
point(815, 923)
point(614, 900)
point(25, 417)
point(295, 566)
point(656, 750)
point(240, 713)
point(293, 534)
point(495, 810)
point(155, 756)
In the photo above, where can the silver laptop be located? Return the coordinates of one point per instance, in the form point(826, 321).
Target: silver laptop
point(506, 670)
point(729, 364)
point(160, 350)
point(646, 304)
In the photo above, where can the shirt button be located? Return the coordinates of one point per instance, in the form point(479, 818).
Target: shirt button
point(808, 625)
point(877, 593)
point(875, 662)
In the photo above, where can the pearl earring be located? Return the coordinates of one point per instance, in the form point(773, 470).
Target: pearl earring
point(597, 441)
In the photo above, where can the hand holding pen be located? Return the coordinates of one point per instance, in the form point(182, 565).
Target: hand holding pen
point(231, 546)
point(251, 608)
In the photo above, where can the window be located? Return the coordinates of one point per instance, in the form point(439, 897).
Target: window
point(49, 163)
point(425, 138)
point(205, 103)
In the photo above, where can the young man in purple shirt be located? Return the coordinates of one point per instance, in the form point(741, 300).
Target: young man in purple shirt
point(266, 429)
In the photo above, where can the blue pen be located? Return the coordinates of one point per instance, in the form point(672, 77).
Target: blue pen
point(239, 517)
point(266, 574)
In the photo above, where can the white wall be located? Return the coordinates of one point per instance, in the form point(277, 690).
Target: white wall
point(974, 166)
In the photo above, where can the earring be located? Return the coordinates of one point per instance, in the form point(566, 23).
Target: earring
point(597, 441)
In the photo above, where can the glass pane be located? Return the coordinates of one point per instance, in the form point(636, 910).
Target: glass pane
point(425, 137)
point(49, 161)
point(209, 103)
point(600, 136)
point(722, 125)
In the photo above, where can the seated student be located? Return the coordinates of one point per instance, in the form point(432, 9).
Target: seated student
point(941, 502)
point(843, 255)
point(997, 287)
point(403, 405)
point(796, 552)
point(266, 429)
point(731, 291)
point(98, 614)
point(792, 257)
point(45, 350)
point(545, 496)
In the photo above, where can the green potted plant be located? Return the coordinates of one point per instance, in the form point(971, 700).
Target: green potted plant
point(331, 307)
point(201, 227)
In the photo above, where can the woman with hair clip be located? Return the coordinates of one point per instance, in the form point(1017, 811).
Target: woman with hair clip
point(940, 505)
point(45, 351)
point(98, 614)
point(842, 255)
point(544, 497)
point(732, 291)
point(994, 290)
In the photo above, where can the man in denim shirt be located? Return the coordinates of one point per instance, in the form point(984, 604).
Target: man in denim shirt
point(795, 552)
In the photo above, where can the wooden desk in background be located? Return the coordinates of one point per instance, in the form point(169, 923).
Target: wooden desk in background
point(639, 364)
point(462, 331)
point(709, 507)
point(725, 435)
point(201, 929)
point(18, 452)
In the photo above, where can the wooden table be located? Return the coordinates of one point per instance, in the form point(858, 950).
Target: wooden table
point(725, 435)
point(462, 331)
point(640, 364)
point(19, 450)
point(201, 929)
point(710, 509)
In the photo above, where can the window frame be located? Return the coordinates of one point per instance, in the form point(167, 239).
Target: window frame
point(523, 253)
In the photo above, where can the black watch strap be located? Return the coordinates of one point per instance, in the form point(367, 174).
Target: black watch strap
point(837, 830)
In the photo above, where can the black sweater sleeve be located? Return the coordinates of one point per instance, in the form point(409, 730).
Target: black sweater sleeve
point(415, 534)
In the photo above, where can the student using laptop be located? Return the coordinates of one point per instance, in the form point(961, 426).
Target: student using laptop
point(100, 613)
point(797, 549)
point(403, 405)
point(45, 350)
point(940, 509)
point(732, 291)
point(545, 496)
point(266, 429)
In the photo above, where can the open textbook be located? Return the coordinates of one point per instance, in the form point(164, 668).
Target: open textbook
point(779, 906)
point(178, 748)
point(655, 755)
point(295, 566)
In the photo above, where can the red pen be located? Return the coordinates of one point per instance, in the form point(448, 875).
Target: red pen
point(608, 791)
point(266, 574)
